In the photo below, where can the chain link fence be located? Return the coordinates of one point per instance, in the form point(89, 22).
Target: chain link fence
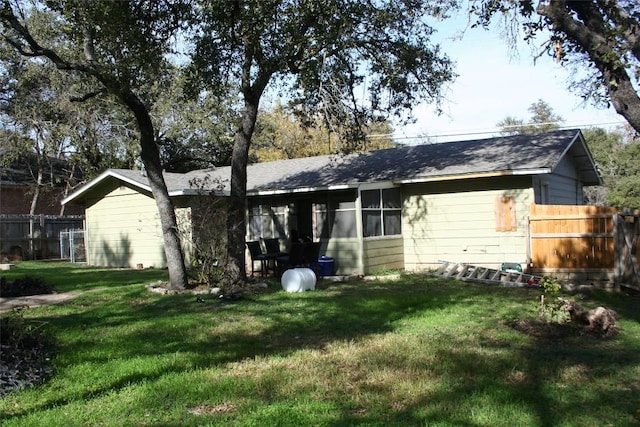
point(72, 245)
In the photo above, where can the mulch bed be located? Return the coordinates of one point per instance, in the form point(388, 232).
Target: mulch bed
point(26, 349)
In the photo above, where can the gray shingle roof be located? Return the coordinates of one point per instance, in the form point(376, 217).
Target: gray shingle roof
point(518, 154)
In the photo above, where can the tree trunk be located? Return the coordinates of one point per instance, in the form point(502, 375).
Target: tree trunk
point(151, 160)
point(236, 222)
point(36, 193)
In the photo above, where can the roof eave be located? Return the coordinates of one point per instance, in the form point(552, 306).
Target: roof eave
point(302, 190)
point(539, 171)
point(196, 192)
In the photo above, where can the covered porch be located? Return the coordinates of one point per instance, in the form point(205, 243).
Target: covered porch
point(360, 228)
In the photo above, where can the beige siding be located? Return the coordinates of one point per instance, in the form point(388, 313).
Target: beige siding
point(383, 254)
point(346, 255)
point(123, 230)
point(461, 227)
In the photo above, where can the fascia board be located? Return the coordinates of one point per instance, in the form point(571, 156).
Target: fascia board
point(100, 178)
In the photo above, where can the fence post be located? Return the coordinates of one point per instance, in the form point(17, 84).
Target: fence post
point(619, 245)
point(61, 240)
point(72, 252)
point(42, 243)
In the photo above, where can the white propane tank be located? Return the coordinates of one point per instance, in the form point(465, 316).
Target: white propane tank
point(298, 280)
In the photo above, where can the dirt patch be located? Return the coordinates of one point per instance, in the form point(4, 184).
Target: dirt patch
point(27, 350)
point(557, 331)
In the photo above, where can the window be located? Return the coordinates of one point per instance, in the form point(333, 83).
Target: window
point(381, 212)
point(335, 218)
point(268, 220)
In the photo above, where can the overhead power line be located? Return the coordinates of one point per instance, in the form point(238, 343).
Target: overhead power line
point(492, 131)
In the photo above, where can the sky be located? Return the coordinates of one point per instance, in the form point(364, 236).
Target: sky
point(492, 85)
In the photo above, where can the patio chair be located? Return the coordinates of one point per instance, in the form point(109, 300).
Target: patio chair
point(295, 258)
point(272, 247)
point(255, 251)
point(311, 254)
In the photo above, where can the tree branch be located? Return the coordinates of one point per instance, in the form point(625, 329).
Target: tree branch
point(590, 36)
point(87, 96)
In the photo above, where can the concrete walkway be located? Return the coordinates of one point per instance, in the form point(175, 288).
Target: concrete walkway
point(9, 303)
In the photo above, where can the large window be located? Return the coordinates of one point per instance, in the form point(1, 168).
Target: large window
point(268, 219)
point(336, 217)
point(381, 212)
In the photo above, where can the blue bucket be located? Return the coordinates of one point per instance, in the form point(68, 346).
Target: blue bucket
point(327, 266)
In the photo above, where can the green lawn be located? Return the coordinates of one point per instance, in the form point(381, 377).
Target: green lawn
point(418, 351)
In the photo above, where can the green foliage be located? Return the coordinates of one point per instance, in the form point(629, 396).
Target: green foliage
point(194, 132)
point(551, 306)
point(320, 52)
point(595, 38)
point(616, 159)
point(281, 134)
point(543, 119)
point(550, 285)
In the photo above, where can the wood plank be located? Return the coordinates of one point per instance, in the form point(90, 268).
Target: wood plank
point(569, 235)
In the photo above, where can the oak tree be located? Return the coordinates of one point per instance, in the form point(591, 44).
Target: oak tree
point(121, 49)
point(322, 54)
point(600, 39)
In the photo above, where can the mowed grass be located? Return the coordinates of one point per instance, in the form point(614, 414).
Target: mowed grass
point(416, 351)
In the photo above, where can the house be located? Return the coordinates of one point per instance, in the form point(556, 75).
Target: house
point(400, 208)
point(18, 179)
point(31, 189)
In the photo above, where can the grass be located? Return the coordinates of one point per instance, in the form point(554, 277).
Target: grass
point(414, 351)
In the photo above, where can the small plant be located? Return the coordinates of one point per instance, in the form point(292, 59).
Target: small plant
point(551, 306)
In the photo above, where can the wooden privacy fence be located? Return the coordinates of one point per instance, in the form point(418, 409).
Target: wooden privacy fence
point(590, 242)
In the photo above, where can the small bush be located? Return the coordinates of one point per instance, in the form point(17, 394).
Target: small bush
point(551, 306)
point(23, 287)
point(25, 353)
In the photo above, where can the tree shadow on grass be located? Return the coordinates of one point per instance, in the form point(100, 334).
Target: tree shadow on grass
point(67, 277)
point(210, 333)
point(147, 325)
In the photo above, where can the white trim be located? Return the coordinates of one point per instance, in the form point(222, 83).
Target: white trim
point(509, 172)
point(99, 179)
point(359, 229)
point(302, 190)
point(532, 171)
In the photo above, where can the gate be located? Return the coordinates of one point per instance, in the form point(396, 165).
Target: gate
point(72, 245)
point(589, 242)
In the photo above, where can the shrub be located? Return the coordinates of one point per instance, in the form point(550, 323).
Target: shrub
point(23, 287)
point(551, 306)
